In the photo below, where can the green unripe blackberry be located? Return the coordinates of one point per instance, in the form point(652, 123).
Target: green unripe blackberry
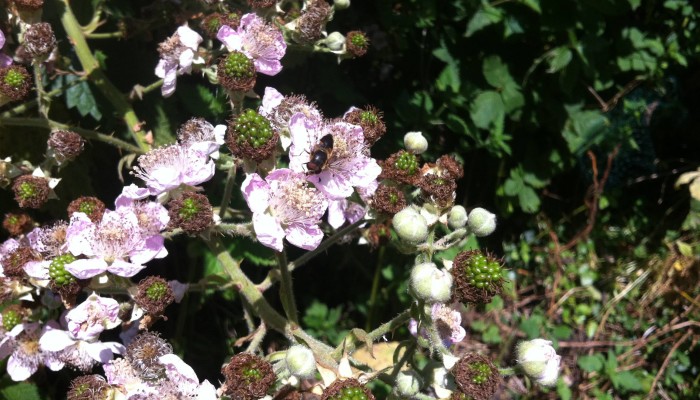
point(189, 209)
point(238, 65)
point(407, 162)
point(482, 272)
point(14, 78)
point(482, 372)
point(251, 374)
point(369, 117)
point(10, 318)
point(357, 43)
point(57, 270)
point(157, 290)
point(253, 128)
point(350, 393)
point(477, 276)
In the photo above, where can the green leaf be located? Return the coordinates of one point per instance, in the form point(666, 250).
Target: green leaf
point(634, 4)
point(532, 326)
point(20, 391)
point(449, 78)
point(488, 15)
point(534, 5)
point(529, 201)
point(626, 381)
point(79, 96)
point(583, 128)
point(562, 332)
point(513, 185)
point(495, 304)
point(591, 363)
point(563, 390)
point(487, 108)
point(559, 58)
point(457, 125)
point(491, 335)
point(513, 99)
point(496, 72)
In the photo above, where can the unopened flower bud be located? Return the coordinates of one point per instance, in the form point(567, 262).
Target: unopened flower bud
point(457, 217)
point(341, 4)
point(335, 41)
point(415, 142)
point(410, 225)
point(539, 360)
point(408, 383)
point(300, 361)
point(482, 222)
point(430, 284)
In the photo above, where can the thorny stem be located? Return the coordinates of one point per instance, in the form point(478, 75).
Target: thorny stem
point(26, 106)
point(286, 289)
point(228, 189)
point(349, 345)
point(86, 133)
point(41, 98)
point(273, 275)
point(375, 289)
point(95, 74)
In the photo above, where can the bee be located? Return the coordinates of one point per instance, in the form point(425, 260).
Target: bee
point(320, 154)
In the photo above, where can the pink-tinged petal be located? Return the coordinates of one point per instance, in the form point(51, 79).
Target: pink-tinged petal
point(164, 178)
point(256, 193)
point(305, 134)
point(129, 194)
point(185, 60)
point(2, 39)
point(268, 67)
point(6, 347)
point(179, 289)
point(268, 231)
point(55, 340)
point(307, 237)
point(230, 38)
point(336, 213)
point(334, 186)
point(220, 134)
point(85, 269)
point(271, 99)
point(79, 235)
point(174, 366)
point(54, 363)
point(458, 335)
point(91, 317)
point(125, 269)
point(21, 371)
point(153, 247)
point(5, 60)
point(199, 171)
point(37, 269)
point(188, 37)
point(206, 391)
point(367, 174)
point(102, 352)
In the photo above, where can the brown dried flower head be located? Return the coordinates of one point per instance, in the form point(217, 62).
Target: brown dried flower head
point(247, 377)
point(371, 121)
point(357, 43)
point(154, 295)
point(15, 82)
point(388, 199)
point(17, 224)
point(13, 263)
point(439, 189)
point(93, 207)
point(312, 22)
point(191, 212)
point(89, 387)
point(65, 145)
point(347, 389)
point(143, 354)
point(402, 167)
point(31, 191)
point(39, 40)
point(476, 377)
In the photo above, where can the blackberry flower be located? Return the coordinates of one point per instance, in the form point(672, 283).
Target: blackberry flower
point(279, 110)
point(5, 60)
point(166, 168)
point(177, 54)
point(347, 166)
point(285, 205)
point(258, 40)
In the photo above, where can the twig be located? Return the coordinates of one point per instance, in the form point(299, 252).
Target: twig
point(666, 361)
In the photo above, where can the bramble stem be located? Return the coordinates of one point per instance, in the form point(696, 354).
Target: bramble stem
point(349, 345)
point(95, 74)
point(286, 290)
point(86, 133)
point(228, 189)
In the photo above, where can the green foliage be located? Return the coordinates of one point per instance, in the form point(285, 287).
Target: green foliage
point(324, 322)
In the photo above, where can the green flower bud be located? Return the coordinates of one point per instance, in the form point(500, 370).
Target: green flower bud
point(410, 225)
point(335, 41)
point(457, 217)
point(430, 284)
point(341, 4)
point(408, 383)
point(300, 361)
point(415, 142)
point(539, 361)
point(482, 222)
